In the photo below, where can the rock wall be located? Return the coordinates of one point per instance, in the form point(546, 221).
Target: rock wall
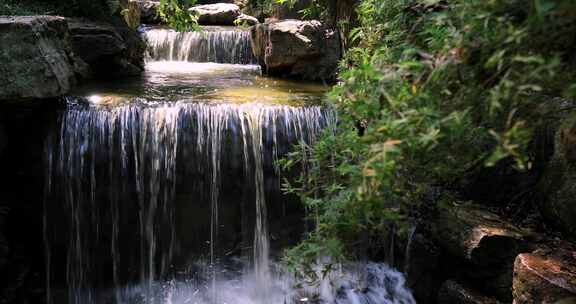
point(39, 62)
point(24, 127)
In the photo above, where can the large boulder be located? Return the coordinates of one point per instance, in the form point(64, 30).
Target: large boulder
point(110, 50)
point(216, 14)
point(37, 58)
point(545, 277)
point(294, 48)
point(482, 243)
point(558, 184)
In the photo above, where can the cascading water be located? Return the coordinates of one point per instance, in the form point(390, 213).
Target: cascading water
point(98, 186)
point(164, 190)
point(212, 44)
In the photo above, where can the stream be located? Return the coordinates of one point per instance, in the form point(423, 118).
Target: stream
point(163, 188)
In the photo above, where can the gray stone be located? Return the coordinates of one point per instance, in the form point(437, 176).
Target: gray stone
point(36, 59)
point(294, 48)
point(216, 14)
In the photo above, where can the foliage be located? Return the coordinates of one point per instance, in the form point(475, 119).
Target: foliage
point(434, 89)
point(176, 14)
point(23, 8)
point(86, 8)
point(314, 9)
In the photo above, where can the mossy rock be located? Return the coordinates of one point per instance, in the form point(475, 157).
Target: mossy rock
point(37, 60)
point(558, 184)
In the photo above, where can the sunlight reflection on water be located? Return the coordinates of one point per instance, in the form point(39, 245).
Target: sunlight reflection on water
point(165, 81)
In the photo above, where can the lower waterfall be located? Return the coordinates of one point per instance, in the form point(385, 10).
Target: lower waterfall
point(110, 164)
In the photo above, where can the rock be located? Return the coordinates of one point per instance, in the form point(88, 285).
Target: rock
point(452, 292)
point(545, 278)
point(216, 14)
point(481, 243)
point(477, 236)
point(37, 58)
point(109, 50)
point(421, 266)
point(148, 11)
point(294, 48)
point(246, 20)
point(558, 184)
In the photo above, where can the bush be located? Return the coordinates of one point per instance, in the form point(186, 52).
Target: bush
point(175, 13)
point(434, 89)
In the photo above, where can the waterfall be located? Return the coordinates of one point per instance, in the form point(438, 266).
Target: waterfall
point(174, 197)
point(212, 44)
point(117, 170)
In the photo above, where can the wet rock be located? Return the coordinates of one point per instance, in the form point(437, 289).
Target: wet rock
point(452, 292)
point(216, 14)
point(545, 277)
point(477, 236)
point(110, 50)
point(37, 59)
point(481, 243)
point(558, 184)
point(294, 48)
point(148, 11)
point(244, 19)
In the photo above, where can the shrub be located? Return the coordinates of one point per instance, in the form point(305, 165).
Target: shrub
point(433, 89)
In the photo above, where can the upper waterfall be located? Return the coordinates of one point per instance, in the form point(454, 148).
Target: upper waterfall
point(211, 44)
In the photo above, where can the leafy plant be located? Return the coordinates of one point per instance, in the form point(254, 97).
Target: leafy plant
point(433, 91)
point(176, 14)
point(20, 8)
